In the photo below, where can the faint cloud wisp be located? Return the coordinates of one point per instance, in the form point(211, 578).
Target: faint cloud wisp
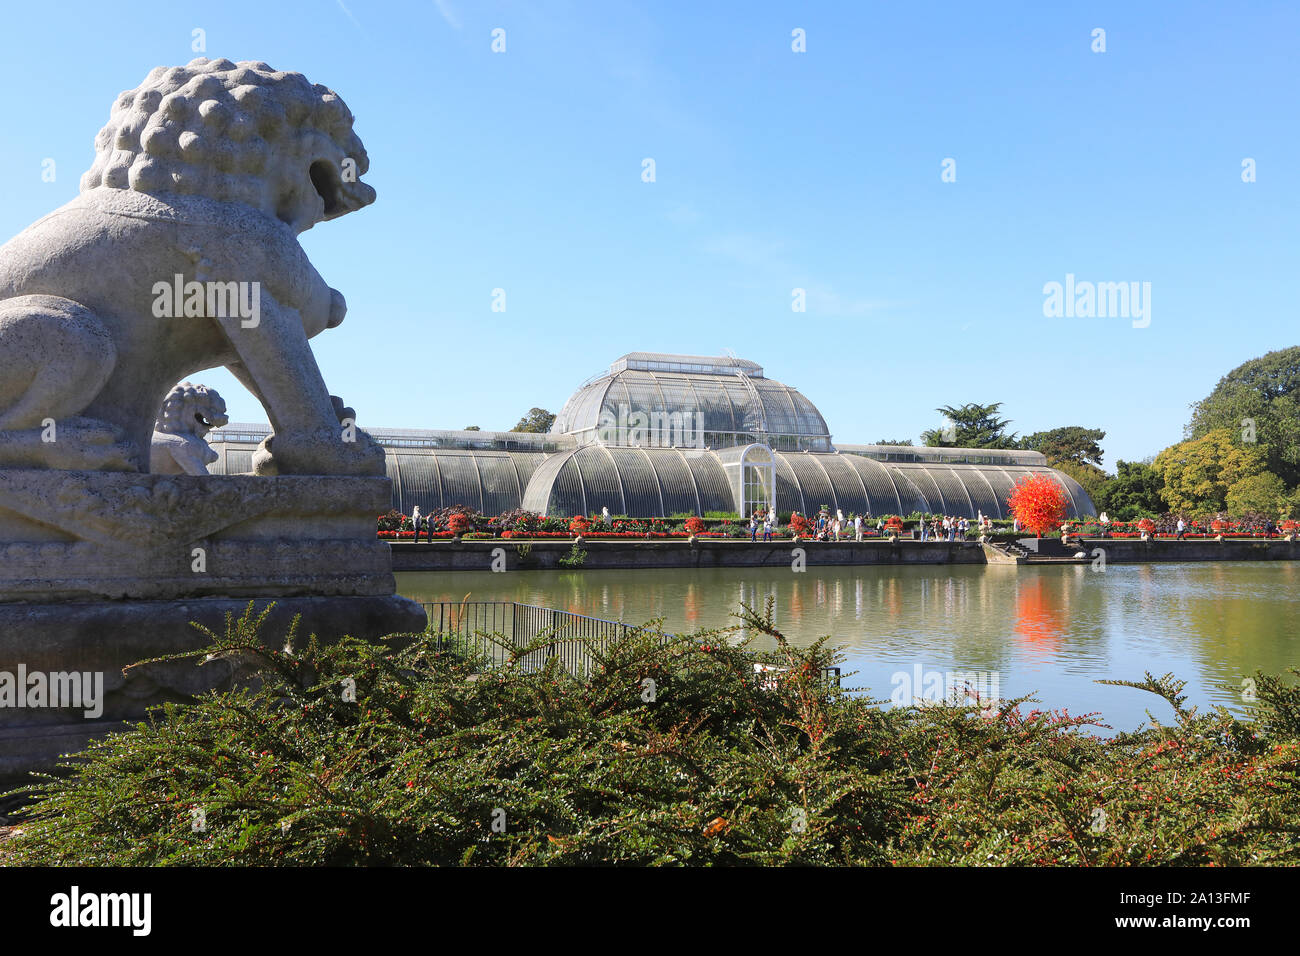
point(448, 13)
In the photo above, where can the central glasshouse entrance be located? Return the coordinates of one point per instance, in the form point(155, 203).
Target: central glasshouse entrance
point(752, 474)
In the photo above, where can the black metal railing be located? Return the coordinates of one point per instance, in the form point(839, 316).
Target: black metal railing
point(496, 630)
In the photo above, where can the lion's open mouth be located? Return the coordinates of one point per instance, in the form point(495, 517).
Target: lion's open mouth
point(329, 186)
point(206, 422)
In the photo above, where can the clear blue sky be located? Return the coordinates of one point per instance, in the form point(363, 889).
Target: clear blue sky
point(775, 170)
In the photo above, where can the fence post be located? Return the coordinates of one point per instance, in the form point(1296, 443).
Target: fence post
point(555, 623)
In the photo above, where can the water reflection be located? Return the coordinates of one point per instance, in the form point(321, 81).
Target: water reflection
point(1051, 630)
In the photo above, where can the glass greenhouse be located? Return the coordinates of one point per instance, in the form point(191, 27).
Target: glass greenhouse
point(662, 434)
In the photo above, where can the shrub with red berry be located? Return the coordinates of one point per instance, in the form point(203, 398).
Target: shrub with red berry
point(409, 769)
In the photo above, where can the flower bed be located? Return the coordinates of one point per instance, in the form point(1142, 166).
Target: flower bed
point(524, 525)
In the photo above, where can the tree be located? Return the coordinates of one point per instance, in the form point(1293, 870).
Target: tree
point(1072, 443)
point(471, 428)
point(1134, 492)
point(1259, 402)
point(971, 426)
point(1091, 478)
point(1265, 492)
point(537, 420)
point(894, 441)
point(1039, 502)
point(1196, 474)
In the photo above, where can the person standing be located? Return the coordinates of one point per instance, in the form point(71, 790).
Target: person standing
point(857, 527)
point(1182, 529)
point(767, 526)
point(415, 522)
point(753, 526)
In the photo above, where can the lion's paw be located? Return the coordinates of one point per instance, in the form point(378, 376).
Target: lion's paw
point(321, 452)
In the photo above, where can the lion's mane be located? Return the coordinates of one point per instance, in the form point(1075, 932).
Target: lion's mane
point(212, 127)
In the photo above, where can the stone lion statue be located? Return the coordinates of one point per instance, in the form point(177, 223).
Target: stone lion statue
point(181, 254)
point(188, 414)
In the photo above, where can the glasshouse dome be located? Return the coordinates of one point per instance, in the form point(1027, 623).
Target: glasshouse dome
point(660, 435)
point(648, 398)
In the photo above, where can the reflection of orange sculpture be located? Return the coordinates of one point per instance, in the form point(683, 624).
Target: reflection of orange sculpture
point(893, 600)
point(691, 605)
point(1039, 616)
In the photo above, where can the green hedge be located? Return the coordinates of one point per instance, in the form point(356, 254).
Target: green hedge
point(707, 765)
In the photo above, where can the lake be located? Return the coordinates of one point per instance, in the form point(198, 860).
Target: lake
point(1051, 630)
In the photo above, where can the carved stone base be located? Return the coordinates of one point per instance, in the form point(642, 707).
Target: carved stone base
point(83, 535)
point(100, 570)
point(102, 638)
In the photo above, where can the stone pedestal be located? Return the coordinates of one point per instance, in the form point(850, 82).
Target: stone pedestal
point(101, 570)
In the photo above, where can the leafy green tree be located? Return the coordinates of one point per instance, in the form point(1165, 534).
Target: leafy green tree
point(1264, 492)
point(471, 428)
point(971, 426)
point(894, 441)
point(1072, 443)
point(1133, 492)
point(537, 420)
point(1092, 478)
point(1259, 402)
point(1198, 473)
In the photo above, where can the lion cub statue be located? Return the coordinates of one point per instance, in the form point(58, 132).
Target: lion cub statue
point(188, 414)
point(181, 254)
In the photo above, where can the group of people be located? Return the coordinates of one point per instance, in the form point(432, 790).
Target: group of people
point(835, 527)
point(946, 528)
point(1269, 528)
point(766, 523)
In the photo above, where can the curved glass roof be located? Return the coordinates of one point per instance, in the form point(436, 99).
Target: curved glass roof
point(490, 481)
point(946, 455)
point(661, 434)
point(853, 483)
point(652, 482)
point(642, 482)
point(652, 400)
point(243, 433)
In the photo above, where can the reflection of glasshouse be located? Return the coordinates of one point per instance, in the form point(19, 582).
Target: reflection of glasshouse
point(667, 434)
